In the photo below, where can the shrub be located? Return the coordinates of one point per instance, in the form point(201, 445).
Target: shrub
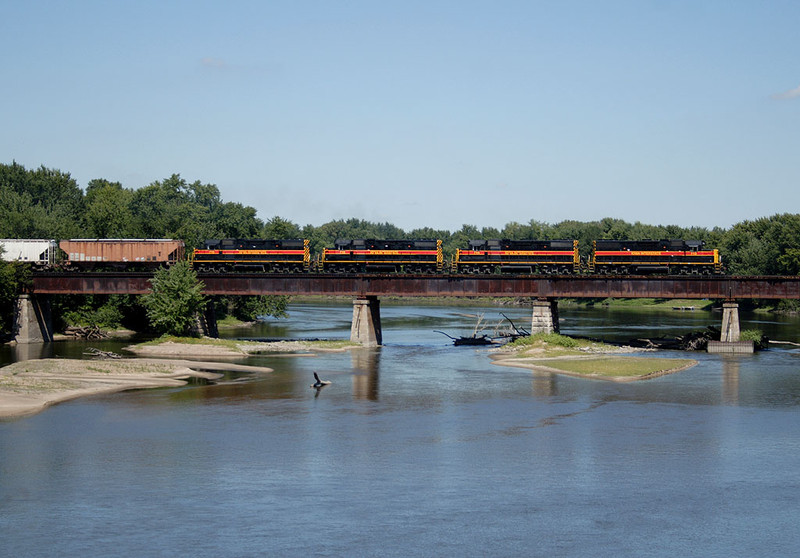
point(548, 339)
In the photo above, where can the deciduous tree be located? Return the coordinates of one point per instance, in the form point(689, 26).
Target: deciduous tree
point(175, 300)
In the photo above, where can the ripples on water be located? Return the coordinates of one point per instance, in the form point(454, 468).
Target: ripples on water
point(417, 449)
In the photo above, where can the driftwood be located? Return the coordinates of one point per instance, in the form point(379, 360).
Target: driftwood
point(498, 337)
point(85, 332)
point(694, 341)
point(97, 353)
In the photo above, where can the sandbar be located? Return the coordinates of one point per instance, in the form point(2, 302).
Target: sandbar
point(30, 386)
point(590, 360)
point(235, 349)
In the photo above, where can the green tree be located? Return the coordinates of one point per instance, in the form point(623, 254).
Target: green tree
point(175, 300)
point(108, 213)
point(252, 308)
point(96, 311)
point(173, 208)
point(279, 228)
point(13, 276)
point(49, 188)
point(234, 220)
point(42, 203)
point(756, 247)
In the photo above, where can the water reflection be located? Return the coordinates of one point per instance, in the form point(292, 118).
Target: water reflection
point(730, 379)
point(544, 384)
point(365, 363)
point(30, 351)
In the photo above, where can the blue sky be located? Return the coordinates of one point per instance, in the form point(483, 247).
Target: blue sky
point(419, 113)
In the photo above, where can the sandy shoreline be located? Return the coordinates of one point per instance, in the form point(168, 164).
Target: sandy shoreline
point(30, 386)
point(239, 350)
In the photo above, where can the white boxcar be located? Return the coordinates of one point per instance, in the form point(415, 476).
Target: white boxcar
point(36, 251)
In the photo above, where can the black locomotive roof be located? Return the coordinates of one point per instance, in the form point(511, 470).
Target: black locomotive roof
point(507, 244)
point(650, 245)
point(390, 244)
point(254, 244)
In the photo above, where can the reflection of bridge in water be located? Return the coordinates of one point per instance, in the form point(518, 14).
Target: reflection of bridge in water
point(367, 288)
point(366, 363)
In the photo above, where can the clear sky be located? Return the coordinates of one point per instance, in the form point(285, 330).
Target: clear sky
point(419, 113)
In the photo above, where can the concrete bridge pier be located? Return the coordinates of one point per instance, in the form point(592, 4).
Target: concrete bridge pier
point(33, 319)
point(730, 336)
point(366, 325)
point(730, 323)
point(545, 316)
point(206, 322)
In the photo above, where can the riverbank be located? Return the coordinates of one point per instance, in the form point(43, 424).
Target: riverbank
point(30, 386)
point(556, 354)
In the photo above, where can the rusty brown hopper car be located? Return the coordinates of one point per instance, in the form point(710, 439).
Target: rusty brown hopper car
point(122, 253)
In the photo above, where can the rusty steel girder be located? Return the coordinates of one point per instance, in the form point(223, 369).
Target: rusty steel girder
point(360, 285)
point(91, 283)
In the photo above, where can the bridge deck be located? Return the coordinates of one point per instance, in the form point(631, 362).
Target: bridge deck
point(715, 287)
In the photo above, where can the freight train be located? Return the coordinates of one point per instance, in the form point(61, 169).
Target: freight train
point(420, 256)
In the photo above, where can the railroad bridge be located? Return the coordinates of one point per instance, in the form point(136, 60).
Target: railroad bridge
point(366, 289)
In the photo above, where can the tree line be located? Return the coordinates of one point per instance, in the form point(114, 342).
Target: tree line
point(49, 203)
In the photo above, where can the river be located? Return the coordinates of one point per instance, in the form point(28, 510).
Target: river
point(419, 448)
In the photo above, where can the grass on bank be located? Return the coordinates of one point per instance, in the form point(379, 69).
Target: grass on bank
point(620, 366)
point(554, 344)
point(588, 358)
point(228, 343)
point(653, 303)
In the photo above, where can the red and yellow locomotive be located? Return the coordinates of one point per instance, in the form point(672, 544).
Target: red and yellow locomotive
point(254, 255)
point(667, 257)
point(365, 255)
point(549, 257)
